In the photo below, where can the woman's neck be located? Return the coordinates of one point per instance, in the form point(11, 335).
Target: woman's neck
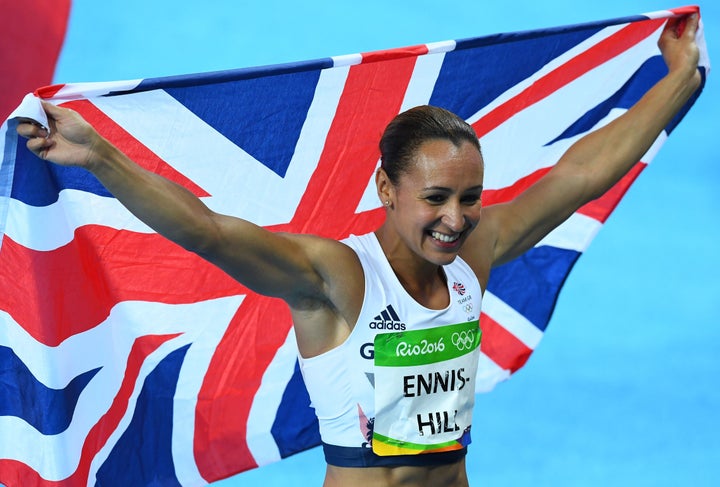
point(423, 280)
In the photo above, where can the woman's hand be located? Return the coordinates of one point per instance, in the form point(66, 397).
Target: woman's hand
point(678, 47)
point(71, 141)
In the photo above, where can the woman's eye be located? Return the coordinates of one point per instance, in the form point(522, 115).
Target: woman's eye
point(435, 198)
point(471, 200)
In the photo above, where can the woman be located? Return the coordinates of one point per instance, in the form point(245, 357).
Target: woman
point(386, 323)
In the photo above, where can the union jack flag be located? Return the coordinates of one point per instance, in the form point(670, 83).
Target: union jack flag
point(458, 288)
point(126, 360)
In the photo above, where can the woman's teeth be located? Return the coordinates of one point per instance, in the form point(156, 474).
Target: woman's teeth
point(444, 238)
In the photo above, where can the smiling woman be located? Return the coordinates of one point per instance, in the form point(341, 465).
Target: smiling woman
point(431, 186)
point(634, 363)
point(430, 261)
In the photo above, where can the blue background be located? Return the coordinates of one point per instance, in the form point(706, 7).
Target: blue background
point(624, 388)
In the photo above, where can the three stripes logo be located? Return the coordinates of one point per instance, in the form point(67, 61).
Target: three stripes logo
point(387, 320)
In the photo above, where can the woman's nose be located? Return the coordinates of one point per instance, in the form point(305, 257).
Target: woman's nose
point(453, 217)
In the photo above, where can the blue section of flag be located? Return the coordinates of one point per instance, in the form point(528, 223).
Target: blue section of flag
point(295, 427)
point(227, 76)
point(635, 87)
point(147, 441)
point(37, 183)
point(490, 64)
point(273, 113)
point(531, 283)
point(22, 395)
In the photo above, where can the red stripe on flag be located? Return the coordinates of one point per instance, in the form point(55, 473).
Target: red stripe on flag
point(601, 208)
point(46, 92)
point(687, 10)
point(367, 221)
point(603, 51)
point(328, 209)
point(56, 294)
point(18, 474)
point(503, 195)
point(132, 147)
point(251, 341)
point(329, 203)
point(501, 346)
point(393, 54)
point(358, 224)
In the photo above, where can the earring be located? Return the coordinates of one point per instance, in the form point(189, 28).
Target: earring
point(387, 203)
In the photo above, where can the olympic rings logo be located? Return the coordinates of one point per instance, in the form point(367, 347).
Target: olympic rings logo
point(463, 340)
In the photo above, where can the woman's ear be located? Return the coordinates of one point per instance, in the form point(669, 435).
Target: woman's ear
point(385, 189)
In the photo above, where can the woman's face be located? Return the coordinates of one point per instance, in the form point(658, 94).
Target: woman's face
point(436, 203)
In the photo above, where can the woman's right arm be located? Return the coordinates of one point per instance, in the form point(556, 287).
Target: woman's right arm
point(268, 263)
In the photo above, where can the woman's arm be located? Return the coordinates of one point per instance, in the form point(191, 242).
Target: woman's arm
point(596, 162)
point(271, 264)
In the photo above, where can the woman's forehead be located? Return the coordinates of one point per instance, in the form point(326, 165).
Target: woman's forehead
point(439, 156)
point(458, 170)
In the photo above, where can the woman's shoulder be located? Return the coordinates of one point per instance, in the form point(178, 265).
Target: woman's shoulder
point(334, 260)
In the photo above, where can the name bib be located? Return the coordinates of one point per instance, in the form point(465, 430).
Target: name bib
point(425, 389)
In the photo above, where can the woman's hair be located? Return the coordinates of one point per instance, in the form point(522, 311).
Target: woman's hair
point(408, 130)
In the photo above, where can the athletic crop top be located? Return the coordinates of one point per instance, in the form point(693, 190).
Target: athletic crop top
point(400, 389)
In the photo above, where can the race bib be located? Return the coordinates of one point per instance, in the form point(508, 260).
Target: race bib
point(425, 389)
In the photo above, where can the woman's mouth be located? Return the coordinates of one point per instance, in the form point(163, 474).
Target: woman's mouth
point(447, 239)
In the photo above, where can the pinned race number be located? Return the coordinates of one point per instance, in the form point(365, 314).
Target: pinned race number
point(425, 389)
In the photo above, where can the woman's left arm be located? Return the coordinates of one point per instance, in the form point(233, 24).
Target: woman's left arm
point(596, 162)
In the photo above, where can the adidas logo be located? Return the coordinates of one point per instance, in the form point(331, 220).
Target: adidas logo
point(387, 320)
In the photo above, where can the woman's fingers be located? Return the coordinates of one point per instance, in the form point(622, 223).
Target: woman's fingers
point(40, 146)
point(30, 129)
